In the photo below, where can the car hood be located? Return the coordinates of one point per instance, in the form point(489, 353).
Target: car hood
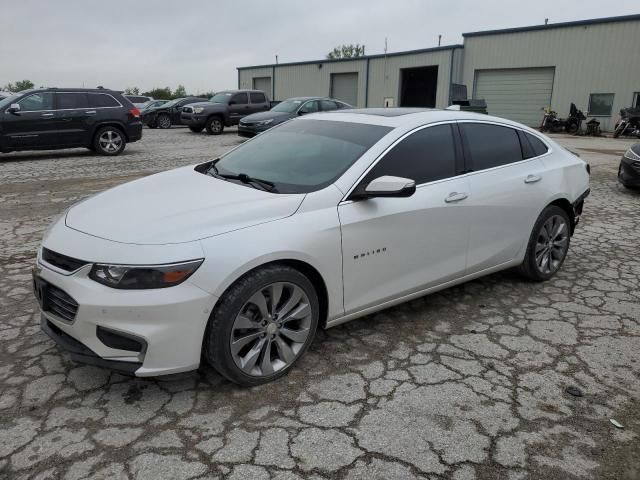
point(277, 116)
point(177, 206)
point(208, 105)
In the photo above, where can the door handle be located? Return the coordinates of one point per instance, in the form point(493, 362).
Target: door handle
point(532, 179)
point(47, 115)
point(455, 197)
point(90, 112)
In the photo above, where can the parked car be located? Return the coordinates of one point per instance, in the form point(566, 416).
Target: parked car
point(629, 170)
point(53, 118)
point(313, 223)
point(152, 104)
point(138, 100)
point(5, 94)
point(259, 122)
point(167, 114)
point(224, 109)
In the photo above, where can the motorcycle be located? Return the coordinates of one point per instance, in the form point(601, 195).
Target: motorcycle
point(629, 123)
point(551, 122)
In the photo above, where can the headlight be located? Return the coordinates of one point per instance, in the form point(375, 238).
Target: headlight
point(264, 122)
point(198, 109)
point(631, 155)
point(139, 277)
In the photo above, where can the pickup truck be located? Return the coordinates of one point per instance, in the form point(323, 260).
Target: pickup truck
point(224, 109)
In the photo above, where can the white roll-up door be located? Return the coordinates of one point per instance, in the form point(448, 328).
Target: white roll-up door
point(344, 86)
point(264, 84)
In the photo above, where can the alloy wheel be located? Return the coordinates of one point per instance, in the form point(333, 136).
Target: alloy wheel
point(110, 141)
point(552, 244)
point(271, 329)
point(164, 121)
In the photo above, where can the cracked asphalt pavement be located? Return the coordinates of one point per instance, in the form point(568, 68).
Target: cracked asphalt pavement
point(469, 383)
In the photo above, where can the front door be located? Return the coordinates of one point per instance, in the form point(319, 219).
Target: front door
point(34, 125)
point(397, 246)
point(238, 107)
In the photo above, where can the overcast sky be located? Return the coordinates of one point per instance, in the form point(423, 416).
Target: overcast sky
point(157, 43)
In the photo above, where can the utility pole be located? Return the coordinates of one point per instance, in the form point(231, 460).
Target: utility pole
point(276, 59)
point(439, 39)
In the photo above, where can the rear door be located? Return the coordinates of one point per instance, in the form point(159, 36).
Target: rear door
point(34, 126)
point(258, 102)
point(238, 107)
point(72, 119)
point(507, 193)
point(397, 246)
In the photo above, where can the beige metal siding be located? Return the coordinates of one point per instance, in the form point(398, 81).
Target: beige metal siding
point(599, 58)
point(384, 75)
point(518, 94)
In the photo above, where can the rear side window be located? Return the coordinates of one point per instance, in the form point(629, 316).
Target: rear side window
point(69, 101)
point(240, 98)
point(424, 156)
point(100, 100)
point(539, 148)
point(257, 97)
point(491, 145)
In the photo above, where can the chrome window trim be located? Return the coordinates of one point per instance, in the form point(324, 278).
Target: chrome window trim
point(71, 109)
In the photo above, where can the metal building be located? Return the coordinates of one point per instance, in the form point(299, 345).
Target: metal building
point(592, 63)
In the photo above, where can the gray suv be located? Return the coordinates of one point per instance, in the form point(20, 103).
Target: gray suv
point(224, 109)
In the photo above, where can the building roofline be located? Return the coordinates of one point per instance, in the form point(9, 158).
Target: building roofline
point(364, 57)
point(578, 23)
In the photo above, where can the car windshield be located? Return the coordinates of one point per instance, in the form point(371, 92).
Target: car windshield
point(303, 155)
point(8, 100)
point(221, 97)
point(170, 103)
point(288, 106)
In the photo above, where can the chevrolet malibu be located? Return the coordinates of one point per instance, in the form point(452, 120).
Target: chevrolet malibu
point(321, 220)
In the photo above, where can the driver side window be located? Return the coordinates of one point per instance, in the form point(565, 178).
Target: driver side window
point(36, 102)
point(424, 156)
point(240, 99)
point(309, 107)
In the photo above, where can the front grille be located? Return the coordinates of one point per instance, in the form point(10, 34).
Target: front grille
point(246, 124)
point(60, 303)
point(68, 264)
point(187, 109)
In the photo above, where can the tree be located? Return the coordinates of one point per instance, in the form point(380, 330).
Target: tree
point(159, 93)
point(19, 86)
point(346, 51)
point(132, 91)
point(179, 92)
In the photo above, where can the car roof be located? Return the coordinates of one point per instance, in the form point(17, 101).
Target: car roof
point(313, 98)
point(56, 89)
point(404, 117)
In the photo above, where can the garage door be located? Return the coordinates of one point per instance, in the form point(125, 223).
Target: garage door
point(344, 86)
point(264, 84)
point(518, 94)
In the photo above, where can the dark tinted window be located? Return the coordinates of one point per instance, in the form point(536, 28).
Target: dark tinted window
point(491, 145)
point(36, 101)
point(304, 155)
point(257, 97)
point(99, 100)
point(424, 156)
point(137, 98)
point(240, 98)
point(539, 148)
point(328, 105)
point(72, 100)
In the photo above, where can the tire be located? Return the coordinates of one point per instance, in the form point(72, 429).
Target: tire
point(163, 121)
point(196, 129)
point(619, 129)
point(109, 141)
point(237, 318)
point(572, 128)
point(215, 125)
point(152, 125)
point(535, 267)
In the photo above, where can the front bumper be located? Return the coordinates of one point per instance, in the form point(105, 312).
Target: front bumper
point(629, 172)
point(193, 120)
point(251, 130)
point(168, 324)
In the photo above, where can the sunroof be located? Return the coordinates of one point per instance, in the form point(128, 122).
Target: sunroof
point(385, 112)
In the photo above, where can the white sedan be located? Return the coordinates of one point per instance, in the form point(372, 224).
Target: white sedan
point(316, 222)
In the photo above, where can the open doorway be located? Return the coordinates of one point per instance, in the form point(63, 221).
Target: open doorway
point(418, 87)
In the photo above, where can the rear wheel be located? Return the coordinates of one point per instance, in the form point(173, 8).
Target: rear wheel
point(619, 129)
point(548, 245)
point(215, 126)
point(163, 121)
point(196, 129)
point(263, 324)
point(109, 141)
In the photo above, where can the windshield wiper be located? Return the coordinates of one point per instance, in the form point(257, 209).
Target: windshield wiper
point(244, 178)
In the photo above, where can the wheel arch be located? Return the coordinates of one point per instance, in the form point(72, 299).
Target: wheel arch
point(110, 123)
point(567, 206)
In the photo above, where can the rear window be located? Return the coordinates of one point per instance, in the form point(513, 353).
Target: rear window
point(539, 148)
point(491, 145)
point(68, 101)
point(100, 100)
point(137, 99)
point(257, 97)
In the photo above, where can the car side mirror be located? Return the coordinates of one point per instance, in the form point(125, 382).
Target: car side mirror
point(387, 186)
point(14, 108)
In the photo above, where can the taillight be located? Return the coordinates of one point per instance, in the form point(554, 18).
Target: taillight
point(134, 112)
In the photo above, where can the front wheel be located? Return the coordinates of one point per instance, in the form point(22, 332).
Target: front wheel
point(263, 324)
point(109, 141)
point(619, 129)
point(548, 245)
point(215, 126)
point(196, 129)
point(163, 121)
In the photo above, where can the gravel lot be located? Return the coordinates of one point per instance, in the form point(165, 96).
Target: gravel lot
point(468, 383)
